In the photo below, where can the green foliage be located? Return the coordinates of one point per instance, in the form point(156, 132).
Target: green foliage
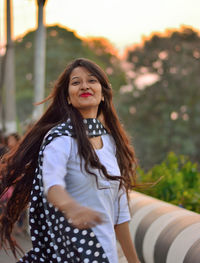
point(166, 112)
point(62, 46)
point(178, 181)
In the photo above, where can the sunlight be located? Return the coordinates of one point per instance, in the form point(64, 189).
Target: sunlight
point(122, 23)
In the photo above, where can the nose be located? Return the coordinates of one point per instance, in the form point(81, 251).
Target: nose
point(84, 85)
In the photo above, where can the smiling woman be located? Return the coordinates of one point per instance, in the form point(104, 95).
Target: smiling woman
point(76, 173)
point(85, 92)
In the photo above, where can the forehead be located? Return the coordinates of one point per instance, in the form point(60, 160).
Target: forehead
point(79, 72)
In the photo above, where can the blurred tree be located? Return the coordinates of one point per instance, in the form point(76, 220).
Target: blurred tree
point(39, 60)
point(162, 109)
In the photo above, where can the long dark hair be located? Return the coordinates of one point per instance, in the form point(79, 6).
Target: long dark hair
point(18, 166)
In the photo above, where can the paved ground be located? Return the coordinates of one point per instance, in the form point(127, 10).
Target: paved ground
point(25, 243)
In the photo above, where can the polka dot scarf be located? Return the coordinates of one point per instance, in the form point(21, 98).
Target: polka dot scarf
point(54, 239)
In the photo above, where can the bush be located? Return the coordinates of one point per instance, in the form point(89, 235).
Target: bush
point(178, 182)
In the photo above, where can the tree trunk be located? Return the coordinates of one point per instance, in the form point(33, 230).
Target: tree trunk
point(39, 61)
point(9, 78)
point(1, 92)
point(2, 104)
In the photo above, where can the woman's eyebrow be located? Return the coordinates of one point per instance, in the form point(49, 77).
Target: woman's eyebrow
point(92, 75)
point(89, 75)
point(74, 77)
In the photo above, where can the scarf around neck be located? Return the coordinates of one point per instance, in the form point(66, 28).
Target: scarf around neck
point(93, 128)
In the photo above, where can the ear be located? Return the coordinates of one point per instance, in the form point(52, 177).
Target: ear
point(68, 100)
point(102, 98)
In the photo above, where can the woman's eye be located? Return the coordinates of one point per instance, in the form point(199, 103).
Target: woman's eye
point(92, 80)
point(75, 83)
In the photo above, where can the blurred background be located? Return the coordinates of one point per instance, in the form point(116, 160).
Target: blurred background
point(151, 52)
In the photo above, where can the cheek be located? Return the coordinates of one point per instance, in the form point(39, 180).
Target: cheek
point(73, 100)
point(71, 93)
point(99, 91)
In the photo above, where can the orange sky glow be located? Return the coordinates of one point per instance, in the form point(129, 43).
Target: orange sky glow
point(123, 23)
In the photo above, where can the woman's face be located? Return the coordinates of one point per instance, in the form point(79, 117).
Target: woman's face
point(85, 92)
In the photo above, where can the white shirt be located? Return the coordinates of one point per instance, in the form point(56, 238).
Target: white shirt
point(61, 166)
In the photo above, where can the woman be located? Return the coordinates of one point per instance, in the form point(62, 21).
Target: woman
point(76, 174)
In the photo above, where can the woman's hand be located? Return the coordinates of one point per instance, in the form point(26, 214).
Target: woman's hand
point(81, 216)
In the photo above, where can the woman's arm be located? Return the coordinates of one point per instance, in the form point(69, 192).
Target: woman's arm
point(123, 236)
point(56, 155)
point(79, 216)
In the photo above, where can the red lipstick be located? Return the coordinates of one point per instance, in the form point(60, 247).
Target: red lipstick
point(85, 95)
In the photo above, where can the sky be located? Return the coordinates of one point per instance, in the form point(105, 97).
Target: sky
point(122, 22)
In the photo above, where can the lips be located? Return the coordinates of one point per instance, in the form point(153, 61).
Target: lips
point(85, 95)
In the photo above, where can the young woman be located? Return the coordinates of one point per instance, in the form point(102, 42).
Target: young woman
point(76, 173)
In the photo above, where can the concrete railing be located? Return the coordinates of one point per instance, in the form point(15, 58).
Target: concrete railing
point(164, 233)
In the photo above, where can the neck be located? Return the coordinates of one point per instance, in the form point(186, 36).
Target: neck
point(88, 114)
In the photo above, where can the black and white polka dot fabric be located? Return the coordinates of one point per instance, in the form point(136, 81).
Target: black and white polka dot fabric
point(54, 239)
point(94, 127)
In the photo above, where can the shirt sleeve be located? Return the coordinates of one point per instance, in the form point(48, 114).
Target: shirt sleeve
point(56, 156)
point(121, 213)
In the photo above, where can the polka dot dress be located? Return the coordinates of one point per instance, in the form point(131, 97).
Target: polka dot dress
point(54, 239)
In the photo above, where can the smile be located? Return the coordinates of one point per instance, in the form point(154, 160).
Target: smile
point(85, 95)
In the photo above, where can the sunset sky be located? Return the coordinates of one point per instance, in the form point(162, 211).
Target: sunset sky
point(122, 22)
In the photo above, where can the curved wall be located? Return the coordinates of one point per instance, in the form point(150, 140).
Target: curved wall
point(164, 233)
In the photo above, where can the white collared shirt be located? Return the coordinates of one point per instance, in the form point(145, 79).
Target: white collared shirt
point(61, 166)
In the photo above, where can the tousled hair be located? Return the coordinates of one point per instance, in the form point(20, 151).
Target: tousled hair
point(18, 165)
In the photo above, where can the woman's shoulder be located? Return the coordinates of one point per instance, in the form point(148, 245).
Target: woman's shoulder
point(64, 128)
point(63, 131)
